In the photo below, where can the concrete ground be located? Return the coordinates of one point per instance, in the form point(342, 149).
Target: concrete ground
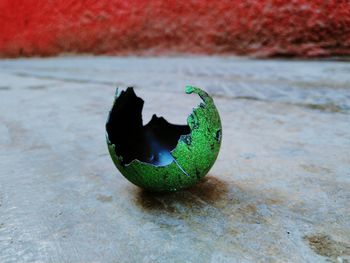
point(279, 191)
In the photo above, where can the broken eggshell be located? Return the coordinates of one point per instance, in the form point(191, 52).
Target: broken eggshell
point(160, 156)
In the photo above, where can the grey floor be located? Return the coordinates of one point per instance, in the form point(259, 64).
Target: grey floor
point(279, 191)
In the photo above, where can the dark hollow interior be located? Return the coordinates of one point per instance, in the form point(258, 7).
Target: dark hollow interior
point(151, 143)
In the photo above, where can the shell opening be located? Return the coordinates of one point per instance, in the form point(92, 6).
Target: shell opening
point(151, 143)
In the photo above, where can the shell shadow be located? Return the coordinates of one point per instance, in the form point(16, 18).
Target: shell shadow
point(210, 191)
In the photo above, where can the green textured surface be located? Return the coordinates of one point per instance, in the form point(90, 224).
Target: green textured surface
point(195, 153)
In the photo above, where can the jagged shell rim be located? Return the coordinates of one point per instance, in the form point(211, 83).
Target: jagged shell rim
point(188, 90)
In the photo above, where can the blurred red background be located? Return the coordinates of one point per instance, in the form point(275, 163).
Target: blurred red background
point(306, 28)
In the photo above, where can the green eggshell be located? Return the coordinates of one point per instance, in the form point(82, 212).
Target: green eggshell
point(194, 154)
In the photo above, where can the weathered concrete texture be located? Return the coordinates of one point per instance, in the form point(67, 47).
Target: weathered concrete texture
point(279, 191)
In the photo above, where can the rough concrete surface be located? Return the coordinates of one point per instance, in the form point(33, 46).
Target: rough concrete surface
point(279, 191)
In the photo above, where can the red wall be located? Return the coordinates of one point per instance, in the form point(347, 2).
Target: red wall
point(259, 27)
